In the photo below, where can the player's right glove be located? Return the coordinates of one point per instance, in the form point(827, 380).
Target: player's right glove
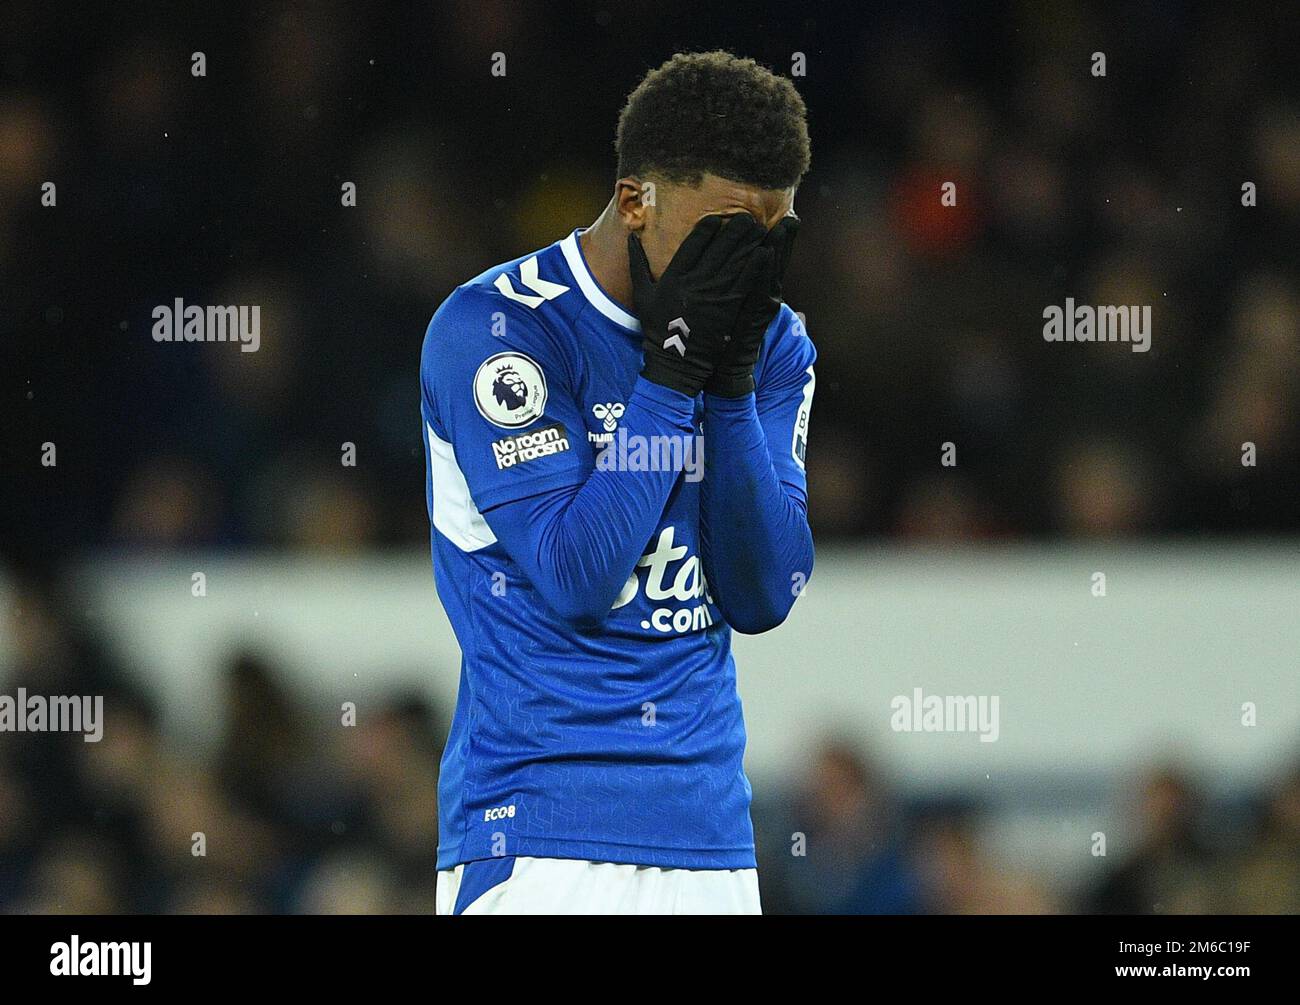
point(689, 315)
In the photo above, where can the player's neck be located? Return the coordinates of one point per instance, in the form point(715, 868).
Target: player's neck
point(604, 246)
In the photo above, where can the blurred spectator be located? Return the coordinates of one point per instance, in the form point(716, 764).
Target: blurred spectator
point(1171, 870)
point(1267, 878)
point(840, 849)
point(960, 876)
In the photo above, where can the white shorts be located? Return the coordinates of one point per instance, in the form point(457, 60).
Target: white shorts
point(522, 885)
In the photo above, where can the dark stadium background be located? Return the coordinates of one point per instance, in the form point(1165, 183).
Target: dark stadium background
point(226, 189)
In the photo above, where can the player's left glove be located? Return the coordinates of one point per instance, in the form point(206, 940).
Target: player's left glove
point(733, 376)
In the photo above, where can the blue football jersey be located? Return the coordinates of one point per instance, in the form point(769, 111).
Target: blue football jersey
point(619, 743)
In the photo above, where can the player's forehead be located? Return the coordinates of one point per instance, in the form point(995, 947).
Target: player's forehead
point(722, 195)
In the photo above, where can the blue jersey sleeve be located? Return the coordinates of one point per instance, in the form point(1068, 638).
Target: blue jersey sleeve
point(498, 390)
point(579, 545)
point(785, 384)
point(754, 508)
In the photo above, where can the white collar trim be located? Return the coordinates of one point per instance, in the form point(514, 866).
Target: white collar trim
point(591, 289)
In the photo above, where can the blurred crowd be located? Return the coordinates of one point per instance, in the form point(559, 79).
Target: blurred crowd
point(226, 188)
point(843, 842)
point(295, 812)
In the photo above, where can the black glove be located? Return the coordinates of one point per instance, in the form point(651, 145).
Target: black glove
point(733, 377)
point(689, 315)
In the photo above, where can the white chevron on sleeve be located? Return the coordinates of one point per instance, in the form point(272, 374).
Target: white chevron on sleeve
point(546, 289)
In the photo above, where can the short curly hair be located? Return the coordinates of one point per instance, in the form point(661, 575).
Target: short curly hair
point(714, 113)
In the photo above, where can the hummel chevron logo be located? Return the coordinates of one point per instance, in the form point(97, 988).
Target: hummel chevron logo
point(545, 289)
point(678, 341)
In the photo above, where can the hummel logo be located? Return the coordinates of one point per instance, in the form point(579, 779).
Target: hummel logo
point(528, 276)
point(608, 414)
point(683, 332)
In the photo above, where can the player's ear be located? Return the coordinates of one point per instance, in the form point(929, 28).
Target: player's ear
point(635, 201)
